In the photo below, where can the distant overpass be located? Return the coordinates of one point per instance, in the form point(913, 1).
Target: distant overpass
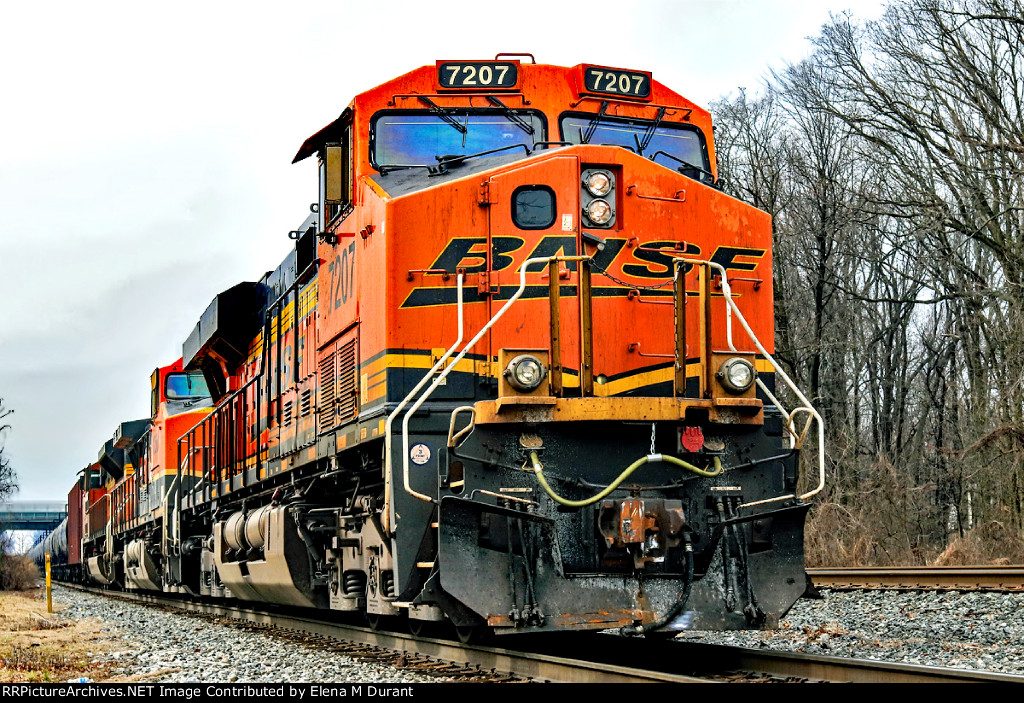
point(29, 515)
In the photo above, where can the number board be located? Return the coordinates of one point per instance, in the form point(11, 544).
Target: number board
point(478, 75)
point(616, 81)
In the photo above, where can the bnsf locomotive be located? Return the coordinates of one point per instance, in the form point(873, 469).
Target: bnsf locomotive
point(515, 375)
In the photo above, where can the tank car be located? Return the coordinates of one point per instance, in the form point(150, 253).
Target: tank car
point(515, 375)
point(56, 545)
point(64, 543)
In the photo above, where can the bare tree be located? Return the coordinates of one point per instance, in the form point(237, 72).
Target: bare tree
point(892, 162)
point(8, 479)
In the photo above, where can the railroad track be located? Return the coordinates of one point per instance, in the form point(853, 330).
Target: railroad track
point(922, 578)
point(596, 658)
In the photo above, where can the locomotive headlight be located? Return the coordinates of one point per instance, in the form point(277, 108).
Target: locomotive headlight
point(599, 183)
point(525, 372)
point(599, 212)
point(736, 375)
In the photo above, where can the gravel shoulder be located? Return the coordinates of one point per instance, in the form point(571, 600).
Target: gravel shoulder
point(971, 630)
point(104, 639)
point(41, 647)
point(150, 644)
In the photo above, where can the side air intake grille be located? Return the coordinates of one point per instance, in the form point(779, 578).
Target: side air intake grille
point(347, 398)
point(328, 381)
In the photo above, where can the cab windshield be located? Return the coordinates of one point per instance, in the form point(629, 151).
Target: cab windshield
point(186, 386)
point(417, 139)
point(666, 143)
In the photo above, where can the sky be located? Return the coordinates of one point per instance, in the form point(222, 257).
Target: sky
point(145, 160)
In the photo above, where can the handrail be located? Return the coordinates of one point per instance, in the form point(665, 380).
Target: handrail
point(225, 404)
point(807, 407)
point(210, 419)
point(163, 505)
point(177, 512)
point(387, 520)
point(451, 365)
point(453, 436)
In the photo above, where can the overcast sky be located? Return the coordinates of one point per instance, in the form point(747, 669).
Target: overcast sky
point(145, 154)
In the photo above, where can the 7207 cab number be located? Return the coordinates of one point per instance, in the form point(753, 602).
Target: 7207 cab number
point(609, 81)
point(477, 74)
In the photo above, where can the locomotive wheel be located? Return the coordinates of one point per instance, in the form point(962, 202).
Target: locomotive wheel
point(422, 628)
point(375, 621)
point(471, 634)
point(381, 623)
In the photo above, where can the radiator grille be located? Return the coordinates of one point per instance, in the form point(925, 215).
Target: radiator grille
point(328, 381)
point(347, 398)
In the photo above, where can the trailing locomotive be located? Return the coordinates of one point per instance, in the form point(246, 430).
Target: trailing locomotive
point(116, 532)
point(516, 374)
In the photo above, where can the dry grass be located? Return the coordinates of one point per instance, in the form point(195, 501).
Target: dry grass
point(994, 543)
point(39, 647)
point(835, 536)
point(845, 536)
point(17, 573)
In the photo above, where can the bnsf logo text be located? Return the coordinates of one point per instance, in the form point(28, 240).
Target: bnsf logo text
point(507, 254)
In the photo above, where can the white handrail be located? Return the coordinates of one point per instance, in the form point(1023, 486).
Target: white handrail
point(389, 505)
point(437, 381)
point(807, 407)
point(730, 308)
point(177, 513)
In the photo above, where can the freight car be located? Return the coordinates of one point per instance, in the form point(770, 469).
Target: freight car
point(515, 375)
point(64, 544)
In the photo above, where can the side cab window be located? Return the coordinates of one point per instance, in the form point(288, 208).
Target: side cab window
point(154, 393)
point(336, 178)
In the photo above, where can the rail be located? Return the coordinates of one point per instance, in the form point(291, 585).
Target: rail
point(225, 439)
point(388, 519)
point(452, 364)
point(1002, 579)
point(584, 657)
point(222, 442)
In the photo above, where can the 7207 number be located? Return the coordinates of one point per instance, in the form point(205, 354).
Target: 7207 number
point(342, 270)
point(617, 82)
point(491, 74)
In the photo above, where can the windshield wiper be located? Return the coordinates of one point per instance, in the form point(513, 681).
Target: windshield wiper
point(592, 127)
point(446, 160)
point(384, 169)
point(649, 132)
point(511, 116)
point(446, 115)
point(685, 165)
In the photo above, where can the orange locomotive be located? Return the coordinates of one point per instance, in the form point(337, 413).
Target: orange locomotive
point(516, 373)
point(126, 526)
point(119, 525)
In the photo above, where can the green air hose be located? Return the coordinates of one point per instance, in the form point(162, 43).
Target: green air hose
point(539, 470)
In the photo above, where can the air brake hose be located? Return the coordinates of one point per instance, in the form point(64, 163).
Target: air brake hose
point(677, 607)
point(539, 470)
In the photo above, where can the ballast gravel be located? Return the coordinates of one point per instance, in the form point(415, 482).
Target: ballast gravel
point(169, 647)
point(971, 630)
point(960, 630)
